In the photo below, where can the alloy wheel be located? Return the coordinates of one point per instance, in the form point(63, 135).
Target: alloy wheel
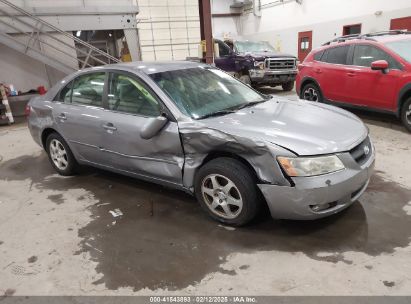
point(408, 114)
point(222, 196)
point(311, 94)
point(58, 154)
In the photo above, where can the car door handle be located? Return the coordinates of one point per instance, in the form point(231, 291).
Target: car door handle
point(351, 74)
point(62, 117)
point(109, 126)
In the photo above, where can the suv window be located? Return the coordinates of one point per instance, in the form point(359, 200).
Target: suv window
point(318, 55)
point(364, 55)
point(223, 49)
point(336, 55)
point(88, 89)
point(129, 95)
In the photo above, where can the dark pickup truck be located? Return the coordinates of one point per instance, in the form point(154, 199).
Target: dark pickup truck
point(257, 63)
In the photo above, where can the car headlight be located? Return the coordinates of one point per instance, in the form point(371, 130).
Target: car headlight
point(259, 64)
point(310, 166)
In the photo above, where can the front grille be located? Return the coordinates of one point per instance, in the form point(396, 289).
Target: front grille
point(280, 64)
point(362, 152)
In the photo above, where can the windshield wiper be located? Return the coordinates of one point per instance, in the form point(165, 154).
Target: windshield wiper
point(253, 103)
point(217, 113)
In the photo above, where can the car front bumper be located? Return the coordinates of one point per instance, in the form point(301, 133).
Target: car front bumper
point(266, 76)
point(320, 196)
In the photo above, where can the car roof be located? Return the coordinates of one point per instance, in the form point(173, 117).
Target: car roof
point(150, 67)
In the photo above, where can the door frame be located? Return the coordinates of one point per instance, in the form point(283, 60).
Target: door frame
point(303, 53)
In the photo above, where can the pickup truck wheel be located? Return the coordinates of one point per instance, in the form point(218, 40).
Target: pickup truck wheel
point(406, 114)
point(245, 79)
point(288, 86)
point(227, 191)
point(311, 92)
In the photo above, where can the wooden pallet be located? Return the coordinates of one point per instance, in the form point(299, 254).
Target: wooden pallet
point(5, 102)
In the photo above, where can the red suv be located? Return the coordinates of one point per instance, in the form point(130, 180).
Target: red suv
point(370, 71)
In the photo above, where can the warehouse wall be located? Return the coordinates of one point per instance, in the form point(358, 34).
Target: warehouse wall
point(280, 24)
point(225, 27)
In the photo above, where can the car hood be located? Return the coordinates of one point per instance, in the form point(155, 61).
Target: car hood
point(267, 55)
point(305, 128)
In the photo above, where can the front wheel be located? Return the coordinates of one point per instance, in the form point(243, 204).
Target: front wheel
point(60, 155)
point(245, 79)
point(288, 86)
point(406, 114)
point(227, 191)
point(311, 92)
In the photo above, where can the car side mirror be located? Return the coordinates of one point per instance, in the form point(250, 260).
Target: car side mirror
point(380, 65)
point(153, 126)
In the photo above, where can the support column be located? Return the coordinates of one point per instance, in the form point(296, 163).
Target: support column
point(206, 29)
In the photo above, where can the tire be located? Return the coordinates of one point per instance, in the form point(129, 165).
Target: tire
point(288, 86)
point(406, 114)
point(223, 181)
point(311, 92)
point(60, 155)
point(245, 79)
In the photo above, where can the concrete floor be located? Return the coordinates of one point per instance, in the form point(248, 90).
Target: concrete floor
point(58, 236)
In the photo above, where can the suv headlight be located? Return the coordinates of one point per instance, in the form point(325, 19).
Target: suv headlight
point(259, 64)
point(310, 166)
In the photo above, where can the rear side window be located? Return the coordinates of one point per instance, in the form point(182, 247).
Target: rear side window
point(65, 94)
point(88, 89)
point(337, 55)
point(364, 55)
point(318, 55)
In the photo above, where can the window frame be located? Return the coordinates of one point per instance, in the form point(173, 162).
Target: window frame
point(164, 111)
point(354, 46)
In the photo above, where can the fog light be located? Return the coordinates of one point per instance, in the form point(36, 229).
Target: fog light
point(322, 207)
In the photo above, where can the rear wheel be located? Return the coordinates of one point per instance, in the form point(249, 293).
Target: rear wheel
point(406, 114)
point(60, 155)
point(311, 92)
point(227, 191)
point(288, 86)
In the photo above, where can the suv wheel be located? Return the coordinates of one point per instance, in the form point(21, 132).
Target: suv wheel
point(227, 191)
point(245, 79)
point(311, 92)
point(60, 155)
point(288, 86)
point(406, 114)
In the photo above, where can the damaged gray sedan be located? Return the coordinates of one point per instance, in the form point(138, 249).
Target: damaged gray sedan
point(193, 127)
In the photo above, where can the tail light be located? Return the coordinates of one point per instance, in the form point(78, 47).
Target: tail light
point(27, 110)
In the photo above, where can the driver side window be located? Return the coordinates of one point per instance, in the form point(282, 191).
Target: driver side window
point(128, 95)
point(223, 49)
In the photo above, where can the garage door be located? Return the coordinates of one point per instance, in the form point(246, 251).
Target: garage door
point(401, 24)
point(168, 29)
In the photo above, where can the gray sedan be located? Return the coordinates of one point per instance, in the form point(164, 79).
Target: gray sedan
point(193, 127)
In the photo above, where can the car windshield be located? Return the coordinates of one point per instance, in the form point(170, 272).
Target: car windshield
point(252, 46)
point(402, 48)
point(203, 91)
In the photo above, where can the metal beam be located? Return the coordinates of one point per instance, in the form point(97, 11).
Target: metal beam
point(206, 28)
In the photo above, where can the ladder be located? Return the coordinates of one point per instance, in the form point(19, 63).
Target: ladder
point(42, 41)
point(5, 102)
